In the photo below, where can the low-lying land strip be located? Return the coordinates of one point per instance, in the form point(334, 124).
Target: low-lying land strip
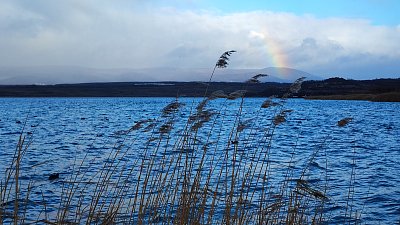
point(331, 89)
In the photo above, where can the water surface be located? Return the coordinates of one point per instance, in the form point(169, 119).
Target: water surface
point(65, 131)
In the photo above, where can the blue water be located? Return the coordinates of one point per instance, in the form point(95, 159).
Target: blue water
point(66, 131)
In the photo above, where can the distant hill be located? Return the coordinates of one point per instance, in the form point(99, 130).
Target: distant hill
point(73, 75)
point(283, 74)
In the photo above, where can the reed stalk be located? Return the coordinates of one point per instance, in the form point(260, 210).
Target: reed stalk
point(210, 170)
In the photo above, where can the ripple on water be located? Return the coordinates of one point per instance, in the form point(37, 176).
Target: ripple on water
point(66, 129)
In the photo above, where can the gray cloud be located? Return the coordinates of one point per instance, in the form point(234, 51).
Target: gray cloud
point(135, 34)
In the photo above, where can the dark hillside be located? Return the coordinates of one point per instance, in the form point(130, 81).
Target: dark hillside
point(339, 88)
point(138, 89)
point(332, 88)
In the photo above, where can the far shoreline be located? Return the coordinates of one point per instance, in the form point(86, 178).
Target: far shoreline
point(323, 98)
point(384, 97)
point(378, 90)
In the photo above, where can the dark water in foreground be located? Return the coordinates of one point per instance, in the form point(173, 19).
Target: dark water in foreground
point(65, 129)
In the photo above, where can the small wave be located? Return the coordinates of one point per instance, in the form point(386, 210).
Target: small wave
point(11, 133)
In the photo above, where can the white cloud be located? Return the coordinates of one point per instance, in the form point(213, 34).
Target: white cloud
point(133, 34)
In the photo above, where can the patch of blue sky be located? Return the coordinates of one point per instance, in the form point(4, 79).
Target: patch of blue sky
point(377, 12)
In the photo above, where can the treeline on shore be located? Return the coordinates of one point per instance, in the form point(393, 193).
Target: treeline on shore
point(332, 88)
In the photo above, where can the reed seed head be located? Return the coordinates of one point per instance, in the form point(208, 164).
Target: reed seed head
point(171, 108)
point(166, 127)
point(217, 94)
point(269, 103)
point(149, 127)
point(255, 79)
point(281, 117)
point(296, 86)
point(243, 125)
point(304, 186)
point(200, 118)
point(344, 122)
point(278, 119)
point(139, 124)
point(223, 59)
point(236, 94)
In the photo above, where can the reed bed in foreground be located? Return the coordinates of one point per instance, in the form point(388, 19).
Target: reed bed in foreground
point(199, 173)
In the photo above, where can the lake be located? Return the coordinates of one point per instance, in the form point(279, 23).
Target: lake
point(360, 160)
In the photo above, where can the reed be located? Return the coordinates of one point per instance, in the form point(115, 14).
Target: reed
point(198, 173)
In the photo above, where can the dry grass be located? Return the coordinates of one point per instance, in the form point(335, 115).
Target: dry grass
point(190, 175)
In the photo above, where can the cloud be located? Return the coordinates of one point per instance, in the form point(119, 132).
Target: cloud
point(137, 34)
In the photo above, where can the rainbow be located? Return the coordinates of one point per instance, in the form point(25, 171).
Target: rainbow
point(277, 56)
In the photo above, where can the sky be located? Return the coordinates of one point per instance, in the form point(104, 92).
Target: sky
point(357, 39)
